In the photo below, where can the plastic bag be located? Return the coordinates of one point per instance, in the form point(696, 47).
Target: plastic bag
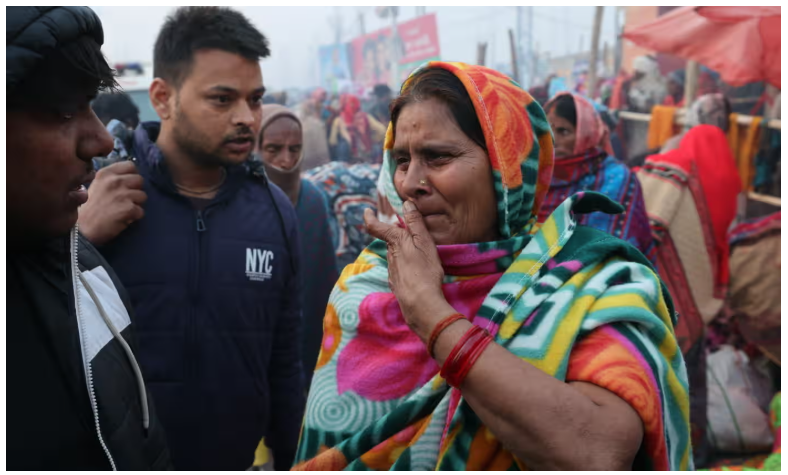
point(738, 400)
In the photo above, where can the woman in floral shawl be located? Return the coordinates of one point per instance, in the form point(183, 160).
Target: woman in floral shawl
point(583, 371)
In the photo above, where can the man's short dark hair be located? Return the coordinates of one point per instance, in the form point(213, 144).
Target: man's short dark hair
point(191, 29)
point(381, 91)
point(116, 106)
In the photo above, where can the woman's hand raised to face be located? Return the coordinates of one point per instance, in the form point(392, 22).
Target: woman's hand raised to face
point(415, 271)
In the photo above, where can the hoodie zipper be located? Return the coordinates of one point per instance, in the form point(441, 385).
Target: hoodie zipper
point(83, 337)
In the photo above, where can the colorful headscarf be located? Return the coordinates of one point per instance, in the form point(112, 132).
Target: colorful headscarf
point(518, 140)
point(350, 105)
point(590, 131)
point(570, 300)
point(357, 124)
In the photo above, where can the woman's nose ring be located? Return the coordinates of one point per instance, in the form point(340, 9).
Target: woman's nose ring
point(422, 182)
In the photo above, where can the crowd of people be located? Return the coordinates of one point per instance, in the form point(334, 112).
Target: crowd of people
point(460, 276)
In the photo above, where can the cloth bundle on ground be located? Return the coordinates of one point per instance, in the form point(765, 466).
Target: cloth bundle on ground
point(350, 189)
point(569, 299)
point(754, 296)
point(739, 392)
point(769, 462)
point(592, 167)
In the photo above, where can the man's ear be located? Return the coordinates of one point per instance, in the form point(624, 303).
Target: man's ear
point(162, 97)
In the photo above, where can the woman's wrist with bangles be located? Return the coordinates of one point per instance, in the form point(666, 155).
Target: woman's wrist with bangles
point(461, 347)
point(448, 340)
point(423, 317)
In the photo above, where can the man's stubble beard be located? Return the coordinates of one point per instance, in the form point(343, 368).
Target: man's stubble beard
point(190, 141)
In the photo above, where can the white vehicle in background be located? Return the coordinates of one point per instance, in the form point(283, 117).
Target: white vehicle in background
point(135, 80)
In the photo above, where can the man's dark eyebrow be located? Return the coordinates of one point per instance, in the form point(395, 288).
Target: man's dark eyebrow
point(232, 90)
point(226, 89)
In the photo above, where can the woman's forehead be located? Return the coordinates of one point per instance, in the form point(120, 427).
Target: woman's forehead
point(281, 127)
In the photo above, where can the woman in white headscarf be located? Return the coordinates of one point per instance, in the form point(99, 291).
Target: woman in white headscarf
point(648, 86)
point(708, 109)
point(647, 89)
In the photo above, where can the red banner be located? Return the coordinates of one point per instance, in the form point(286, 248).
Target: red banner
point(417, 42)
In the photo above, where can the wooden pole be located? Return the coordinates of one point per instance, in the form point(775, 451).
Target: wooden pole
point(691, 83)
point(394, 79)
point(513, 49)
point(481, 53)
point(592, 72)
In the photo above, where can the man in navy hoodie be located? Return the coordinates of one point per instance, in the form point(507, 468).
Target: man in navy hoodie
point(208, 250)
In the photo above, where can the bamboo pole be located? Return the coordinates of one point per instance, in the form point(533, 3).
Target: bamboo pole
point(481, 53)
point(592, 72)
point(513, 50)
point(681, 120)
point(691, 83)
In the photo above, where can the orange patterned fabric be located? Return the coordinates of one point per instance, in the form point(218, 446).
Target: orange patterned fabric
point(519, 144)
point(328, 460)
point(607, 359)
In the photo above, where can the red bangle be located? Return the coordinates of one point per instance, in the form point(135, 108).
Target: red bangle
point(464, 355)
point(475, 351)
point(442, 325)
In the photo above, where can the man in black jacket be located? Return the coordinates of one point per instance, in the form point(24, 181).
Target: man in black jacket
point(76, 397)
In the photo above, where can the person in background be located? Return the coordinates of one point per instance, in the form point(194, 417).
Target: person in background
point(316, 150)
point(646, 89)
point(709, 109)
point(584, 161)
point(281, 149)
point(675, 89)
point(619, 95)
point(708, 82)
point(76, 399)
point(212, 260)
point(319, 98)
point(541, 93)
point(117, 106)
point(354, 133)
point(606, 91)
point(648, 86)
point(380, 109)
point(121, 116)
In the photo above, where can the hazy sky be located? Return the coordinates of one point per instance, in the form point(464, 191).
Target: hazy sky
point(295, 33)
